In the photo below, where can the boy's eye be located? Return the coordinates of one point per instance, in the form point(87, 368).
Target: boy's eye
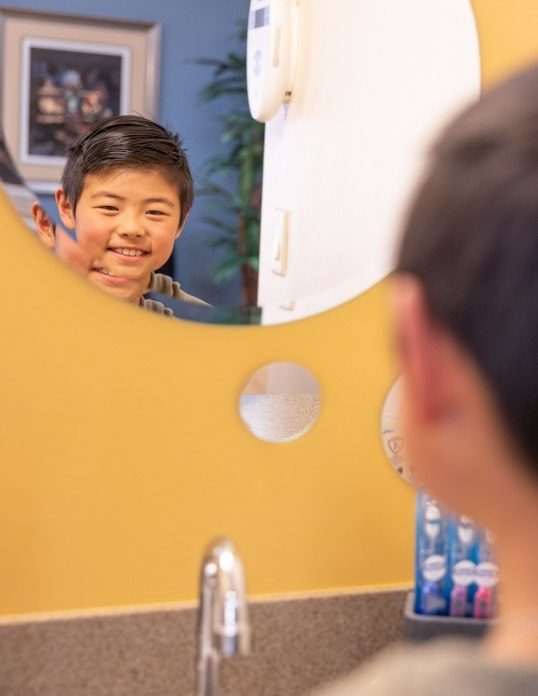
point(108, 207)
point(156, 212)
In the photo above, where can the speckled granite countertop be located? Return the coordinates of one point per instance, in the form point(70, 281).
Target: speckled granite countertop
point(299, 643)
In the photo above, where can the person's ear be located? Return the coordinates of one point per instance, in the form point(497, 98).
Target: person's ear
point(65, 209)
point(44, 225)
point(423, 349)
point(180, 229)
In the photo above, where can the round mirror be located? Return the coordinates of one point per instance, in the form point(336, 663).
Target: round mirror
point(392, 436)
point(280, 402)
point(291, 217)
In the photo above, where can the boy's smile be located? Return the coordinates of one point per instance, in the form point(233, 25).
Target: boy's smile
point(129, 219)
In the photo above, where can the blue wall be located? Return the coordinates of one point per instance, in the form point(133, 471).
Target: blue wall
point(191, 29)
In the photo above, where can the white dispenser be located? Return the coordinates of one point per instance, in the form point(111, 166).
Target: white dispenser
point(271, 55)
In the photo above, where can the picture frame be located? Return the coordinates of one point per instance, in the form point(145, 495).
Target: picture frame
point(63, 73)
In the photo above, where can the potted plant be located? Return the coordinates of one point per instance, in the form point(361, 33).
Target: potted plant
point(241, 163)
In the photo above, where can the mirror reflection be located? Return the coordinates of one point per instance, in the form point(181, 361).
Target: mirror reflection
point(391, 434)
point(14, 186)
point(125, 194)
point(280, 402)
point(242, 221)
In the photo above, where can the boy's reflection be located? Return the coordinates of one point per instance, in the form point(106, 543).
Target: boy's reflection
point(64, 243)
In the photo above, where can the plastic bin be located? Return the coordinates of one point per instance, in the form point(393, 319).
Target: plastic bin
point(419, 627)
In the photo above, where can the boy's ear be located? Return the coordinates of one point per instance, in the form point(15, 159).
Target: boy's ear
point(44, 225)
point(421, 344)
point(180, 229)
point(65, 209)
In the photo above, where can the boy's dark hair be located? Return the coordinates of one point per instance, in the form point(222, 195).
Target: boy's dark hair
point(471, 237)
point(128, 141)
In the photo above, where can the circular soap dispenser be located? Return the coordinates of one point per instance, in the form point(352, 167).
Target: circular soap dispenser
point(271, 55)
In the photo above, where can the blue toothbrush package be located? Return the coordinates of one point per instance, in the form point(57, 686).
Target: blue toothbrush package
point(431, 559)
point(487, 576)
point(462, 554)
point(455, 569)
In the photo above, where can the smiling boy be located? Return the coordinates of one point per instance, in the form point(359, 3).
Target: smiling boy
point(126, 193)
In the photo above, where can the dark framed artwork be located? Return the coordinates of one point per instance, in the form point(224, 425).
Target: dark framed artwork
point(62, 74)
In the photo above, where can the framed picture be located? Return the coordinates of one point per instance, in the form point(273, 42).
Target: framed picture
point(62, 74)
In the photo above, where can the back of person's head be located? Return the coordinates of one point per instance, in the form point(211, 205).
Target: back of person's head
point(128, 141)
point(471, 238)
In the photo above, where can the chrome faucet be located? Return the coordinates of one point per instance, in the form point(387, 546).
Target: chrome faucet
point(223, 626)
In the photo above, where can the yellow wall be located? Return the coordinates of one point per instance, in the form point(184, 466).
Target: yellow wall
point(122, 452)
point(508, 35)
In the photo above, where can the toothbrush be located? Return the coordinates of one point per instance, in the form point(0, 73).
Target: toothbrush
point(483, 603)
point(431, 598)
point(458, 601)
point(459, 594)
point(432, 524)
point(484, 599)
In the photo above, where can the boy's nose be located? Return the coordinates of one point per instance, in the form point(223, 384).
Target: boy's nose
point(132, 233)
point(132, 230)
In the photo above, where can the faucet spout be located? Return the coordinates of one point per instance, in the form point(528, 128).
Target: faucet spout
point(223, 625)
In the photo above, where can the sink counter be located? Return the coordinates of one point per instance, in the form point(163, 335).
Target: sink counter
point(299, 643)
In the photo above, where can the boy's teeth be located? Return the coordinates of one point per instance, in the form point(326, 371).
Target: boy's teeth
point(103, 270)
point(129, 252)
